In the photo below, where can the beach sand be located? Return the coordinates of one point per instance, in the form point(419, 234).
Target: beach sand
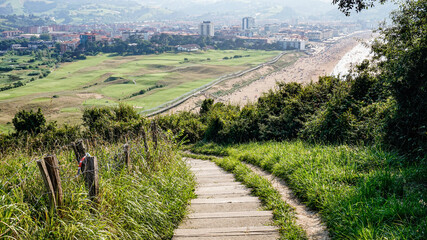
point(307, 68)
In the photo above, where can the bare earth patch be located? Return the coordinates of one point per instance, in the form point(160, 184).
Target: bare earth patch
point(89, 95)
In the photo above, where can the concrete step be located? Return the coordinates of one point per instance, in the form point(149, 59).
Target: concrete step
point(225, 207)
point(226, 222)
point(241, 214)
point(245, 199)
point(262, 232)
point(219, 184)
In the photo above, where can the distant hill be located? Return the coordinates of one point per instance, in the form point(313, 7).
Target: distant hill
point(12, 22)
point(84, 11)
point(107, 11)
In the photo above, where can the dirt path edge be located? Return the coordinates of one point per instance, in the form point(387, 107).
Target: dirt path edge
point(309, 220)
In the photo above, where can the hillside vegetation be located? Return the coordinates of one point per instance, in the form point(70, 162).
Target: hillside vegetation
point(360, 192)
point(144, 201)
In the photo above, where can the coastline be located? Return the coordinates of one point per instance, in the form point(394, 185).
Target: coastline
point(306, 69)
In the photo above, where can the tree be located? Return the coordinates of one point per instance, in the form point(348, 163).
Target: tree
point(402, 54)
point(45, 37)
point(358, 5)
point(31, 122)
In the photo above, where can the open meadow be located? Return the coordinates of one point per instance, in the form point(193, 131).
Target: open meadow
point(144, 81)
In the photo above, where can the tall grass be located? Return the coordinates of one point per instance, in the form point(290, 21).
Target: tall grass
point(361, 192)
point(146, 202)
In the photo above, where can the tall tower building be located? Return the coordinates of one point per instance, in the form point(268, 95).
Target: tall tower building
point(248, 23)
point(206, 29)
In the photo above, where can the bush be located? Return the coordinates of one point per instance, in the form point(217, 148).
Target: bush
point(30, 122)
point(34, 73)
point(185, 125)
point(112, 124)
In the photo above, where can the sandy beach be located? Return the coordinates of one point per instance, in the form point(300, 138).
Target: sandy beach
point(308, 67)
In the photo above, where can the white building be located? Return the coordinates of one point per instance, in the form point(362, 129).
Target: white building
point(248, 23)
point(315, 35)
point(293, 44)
point(188, 48)
point(206, 29)
point(137, 34)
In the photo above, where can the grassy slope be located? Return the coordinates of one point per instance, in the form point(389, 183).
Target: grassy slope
point(78, 74)
point(362, 193)
point(87, 77)
point(146, 203)
point(68, 77)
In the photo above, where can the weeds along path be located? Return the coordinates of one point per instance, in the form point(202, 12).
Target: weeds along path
point(309, 220)
point(224, 208)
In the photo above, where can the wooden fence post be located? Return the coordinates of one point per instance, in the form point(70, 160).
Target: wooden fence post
point(45, 175)
point(80, 151)
point(91, 176)
point(127, 155)
point(144, 137)
point(52, 166)
point(154, 133)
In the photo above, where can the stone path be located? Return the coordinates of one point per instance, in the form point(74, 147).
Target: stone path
point(223, 209)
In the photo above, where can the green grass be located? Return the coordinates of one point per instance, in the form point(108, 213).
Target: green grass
point(283, 214)
point(147, 202)
point(68, 77)
point(123, 90)
point(99, 102)
point(70, 110)
point(160, 96)
point(41, 99)
point(6, 128)
point(169, 69)
point(360, 192)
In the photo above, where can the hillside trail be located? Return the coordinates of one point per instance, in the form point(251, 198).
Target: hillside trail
point(223, 209)
point(216, 190)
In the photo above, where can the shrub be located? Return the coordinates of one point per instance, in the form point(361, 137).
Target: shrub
point(31, 122)
point(112, 124)
point(185, 125)
point(35, 73)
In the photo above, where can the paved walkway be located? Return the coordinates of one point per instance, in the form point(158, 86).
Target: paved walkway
point(223, 209)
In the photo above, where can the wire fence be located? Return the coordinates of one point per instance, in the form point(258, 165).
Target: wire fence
point(29, 177)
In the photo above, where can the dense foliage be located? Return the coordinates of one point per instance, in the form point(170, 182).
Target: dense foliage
point(330, 110)
point(166, 42)
point(404, 48)
point(33, 133)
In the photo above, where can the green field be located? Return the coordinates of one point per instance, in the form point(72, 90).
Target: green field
point(106, 80)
